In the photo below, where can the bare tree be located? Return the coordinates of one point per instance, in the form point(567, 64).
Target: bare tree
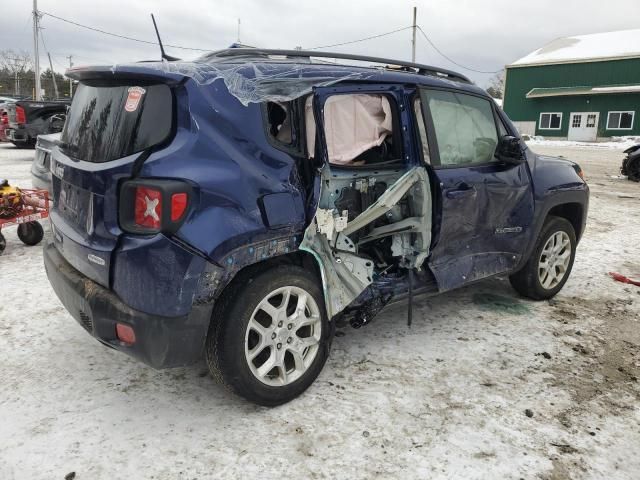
point(15, 61)
point(496, 85)
point(13, 67)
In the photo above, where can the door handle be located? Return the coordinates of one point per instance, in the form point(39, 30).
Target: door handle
point(469, 191)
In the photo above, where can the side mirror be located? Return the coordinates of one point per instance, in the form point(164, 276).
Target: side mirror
point(510, 150)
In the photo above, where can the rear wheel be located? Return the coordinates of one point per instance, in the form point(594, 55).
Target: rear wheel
point(270, 336)
point(3, 243)
point(550, 264)
point(31, 233)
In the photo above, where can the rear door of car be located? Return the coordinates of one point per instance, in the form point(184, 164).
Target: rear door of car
point(486, 204)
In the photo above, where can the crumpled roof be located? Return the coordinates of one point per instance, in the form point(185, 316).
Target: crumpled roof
point(259, 82)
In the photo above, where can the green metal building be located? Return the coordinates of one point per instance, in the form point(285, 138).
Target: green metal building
point(583, 88)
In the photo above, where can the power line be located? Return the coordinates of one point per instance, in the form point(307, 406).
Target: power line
point(44, 45)
point(139, 40)
point(104, 32)
point(88, 59)
point(59, 65)
point(360, 39)
point(449, 58)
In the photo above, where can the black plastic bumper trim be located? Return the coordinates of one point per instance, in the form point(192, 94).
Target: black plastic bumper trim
point(161, 342)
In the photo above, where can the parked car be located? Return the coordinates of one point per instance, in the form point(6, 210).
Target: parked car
point(240, 205)
point(631, 163)
point(4, 122)
point(28, 119)
point(4, 117)
point(40, 172)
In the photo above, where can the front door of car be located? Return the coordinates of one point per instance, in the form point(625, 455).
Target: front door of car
point(363, 132)
point(486, 203)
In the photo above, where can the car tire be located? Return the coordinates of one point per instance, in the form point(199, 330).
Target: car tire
point(295, 340)
point(3, 243)
point(550, 264)
point(30, 233)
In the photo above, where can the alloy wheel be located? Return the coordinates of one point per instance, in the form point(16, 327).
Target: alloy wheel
point(283, 336)
point(554, 260)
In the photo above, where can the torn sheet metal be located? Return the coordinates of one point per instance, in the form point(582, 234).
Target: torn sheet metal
point(346, 275)
point(387, 200)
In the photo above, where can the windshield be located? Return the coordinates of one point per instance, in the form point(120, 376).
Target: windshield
point(110, 122)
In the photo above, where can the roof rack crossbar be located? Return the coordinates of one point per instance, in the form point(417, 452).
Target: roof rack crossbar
point(421, 68)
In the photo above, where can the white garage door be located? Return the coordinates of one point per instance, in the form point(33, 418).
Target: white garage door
point(583, 126)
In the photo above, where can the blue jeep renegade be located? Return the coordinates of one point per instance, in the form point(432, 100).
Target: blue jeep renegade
point(240, 205)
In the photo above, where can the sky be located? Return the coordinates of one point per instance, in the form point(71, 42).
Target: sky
point(480, 35)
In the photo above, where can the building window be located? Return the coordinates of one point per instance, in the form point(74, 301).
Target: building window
point(550, 121)
point(591, 121)
point(620, 120)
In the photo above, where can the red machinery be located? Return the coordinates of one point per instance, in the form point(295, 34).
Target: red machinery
point(24, 208)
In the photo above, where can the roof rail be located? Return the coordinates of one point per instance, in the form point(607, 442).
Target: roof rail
point(420, 68)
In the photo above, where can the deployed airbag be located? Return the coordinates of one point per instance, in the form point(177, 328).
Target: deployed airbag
point(353, 124)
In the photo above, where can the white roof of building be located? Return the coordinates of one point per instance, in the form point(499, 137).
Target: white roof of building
point(585, 48)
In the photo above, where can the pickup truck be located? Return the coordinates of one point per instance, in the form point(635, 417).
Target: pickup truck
point(238, 206)
point(4, 122)
point(27, 119)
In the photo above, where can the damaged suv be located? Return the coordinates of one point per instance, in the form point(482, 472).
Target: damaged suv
point(239, 205)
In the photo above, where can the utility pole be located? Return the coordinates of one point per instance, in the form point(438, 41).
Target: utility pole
point(413, 41)
point(36, 53)
point(239, 31)
point(53, 76)
point(70, 57)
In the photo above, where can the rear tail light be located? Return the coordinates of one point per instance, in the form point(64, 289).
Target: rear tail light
point(20, 115)
point(148, 208)
point(153, 206)
point(4, 118)
point(125, 333)
point(178, 205)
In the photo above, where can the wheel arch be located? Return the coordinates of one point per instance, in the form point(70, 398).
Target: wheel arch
point(570, 205)
point(573, 212)
point(301, 258)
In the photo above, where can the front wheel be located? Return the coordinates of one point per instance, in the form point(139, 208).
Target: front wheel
point(551, 261)
point(270, 336)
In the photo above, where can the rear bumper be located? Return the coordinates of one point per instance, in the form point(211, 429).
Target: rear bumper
point(17, 135)
point(161, 342)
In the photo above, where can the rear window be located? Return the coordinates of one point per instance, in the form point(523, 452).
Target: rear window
point(110, 122)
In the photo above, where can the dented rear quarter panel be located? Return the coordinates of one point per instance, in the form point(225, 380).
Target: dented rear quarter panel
point(222, 148)
point(247, 204)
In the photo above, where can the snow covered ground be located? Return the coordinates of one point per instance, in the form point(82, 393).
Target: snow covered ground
point(446, 398)
point(616, 143)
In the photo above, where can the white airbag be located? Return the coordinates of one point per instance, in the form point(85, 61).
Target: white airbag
point(352, 123)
